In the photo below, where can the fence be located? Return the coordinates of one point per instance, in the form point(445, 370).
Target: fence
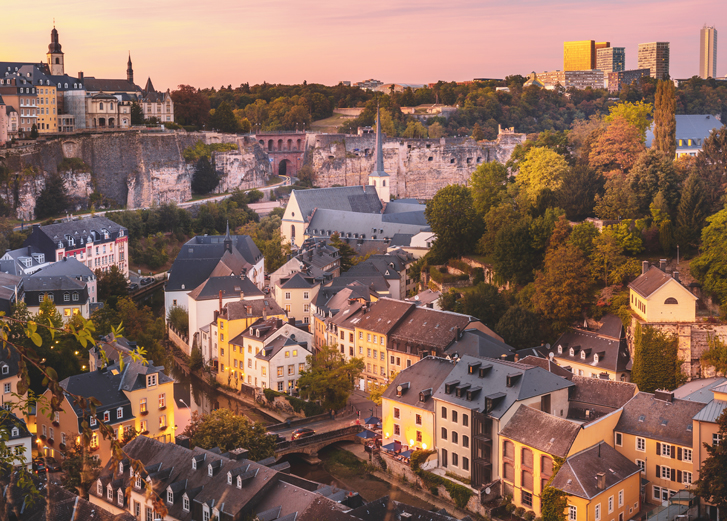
point(179, 340)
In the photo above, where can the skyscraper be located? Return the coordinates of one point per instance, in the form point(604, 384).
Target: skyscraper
point(655, 57)
point(611, 59)
point(708, 52)
point(579, 56)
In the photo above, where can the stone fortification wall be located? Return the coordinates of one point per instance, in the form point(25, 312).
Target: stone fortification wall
point(134, 169)
point(417, 167)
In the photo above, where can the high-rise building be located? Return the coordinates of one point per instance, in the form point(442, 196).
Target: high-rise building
point(579, 56)
point(708, 52)
point(611, 59)
point(602, 45)
point(655, 57)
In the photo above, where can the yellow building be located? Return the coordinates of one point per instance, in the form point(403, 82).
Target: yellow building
point(602, 485)
point(408, 407)
point(47, 119)
point(294, 294)
point(655, 432)
point(657, 297)
point(579, 55)
point(235, 318)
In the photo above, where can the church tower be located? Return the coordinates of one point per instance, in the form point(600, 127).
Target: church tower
point(129, 71)
point(379, 178)
point(55, 56)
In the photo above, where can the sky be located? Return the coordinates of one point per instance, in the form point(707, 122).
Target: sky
point(229, 42)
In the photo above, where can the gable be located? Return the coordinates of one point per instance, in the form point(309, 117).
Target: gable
point(674, 290)
point(292, 211)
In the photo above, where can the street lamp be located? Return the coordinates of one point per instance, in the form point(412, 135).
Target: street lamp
point(184, 403)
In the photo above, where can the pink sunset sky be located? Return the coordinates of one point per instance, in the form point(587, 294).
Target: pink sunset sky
point(223, 42)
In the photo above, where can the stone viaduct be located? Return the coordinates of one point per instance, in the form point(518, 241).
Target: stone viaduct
point(285, 148)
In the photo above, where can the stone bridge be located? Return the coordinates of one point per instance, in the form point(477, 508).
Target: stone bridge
point(285, 148)
point(312, 444)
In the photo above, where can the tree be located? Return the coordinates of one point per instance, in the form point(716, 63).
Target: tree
point(712, 169)
point(582, 236)
point(224, 429)
point(519, 328)
point(656, 360)
point(712, 483)
point(179, 318)
point(618, 202)
point(436, 130)
point(415, 129)
point(710, 268)
point(191, 107)
point(716, 355)
point(137, 114)
point(111, 283)
point(665, 123)
point(376, 391)
point(452, 216)
point(224, 119)
point(606, 257)
point(542, 168)
point(691, 213)
point(329, 378)
point(617, 148)
point(346, 252)
point(637, 113)
point(652, 173)
point(514, 257)
point(578, 192)
point(34, 131)
point(205, 178)
point(80, 469)
point(53, 199)
point(487, 185)
point(561, 289)
point(485, 303)
point(477, 133)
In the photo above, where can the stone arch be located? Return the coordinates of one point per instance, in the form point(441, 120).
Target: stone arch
point(289, 144)
point(101, 122)
point(285, 167)
point(111, 122)
point(262, 143)
point(280, 144)
point(270, 145)
point(297, 145)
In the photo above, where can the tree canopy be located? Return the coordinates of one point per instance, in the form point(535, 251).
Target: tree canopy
point(452, 216)
point(656, 360)
point(329, 378)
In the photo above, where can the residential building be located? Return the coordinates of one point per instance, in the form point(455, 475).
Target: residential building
point(17, 440)
point(108, 350)
point(9, 379)
point(315, 258)
point(136, 398)
point(691, 132)
point(427, 298)
point(73, 268)
point(593, 398)
point(12, 120)
point(611, 59)
point(476, 400)
point(655, 57)
point(655, 431)
point(331, 311)
point(603, 353)
point(69, 295)
point(96, 241)
point(579, 55)
point(613, 494)
point(407, 405)
point(235, 318)
point(24, 261)
point(4, 127)
point(156, 105)
point(212, 295)
point(105, 110)
point(658, 297)
point(207, 256)
point(340, 330)
point(12, 291)
point(19, 93)
point(578, 79)
point(708, 52)
point(276, 354)
point(617, 80)
point(416, 244)
point(47, 111)
point(294, 294)
point(479, 340)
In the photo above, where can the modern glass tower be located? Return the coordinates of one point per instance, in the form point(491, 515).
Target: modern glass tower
point(708, 52)
point(655, 57)
point(579, 56)
point(611, 59)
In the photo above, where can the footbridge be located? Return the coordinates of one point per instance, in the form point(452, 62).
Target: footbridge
point(312, 444)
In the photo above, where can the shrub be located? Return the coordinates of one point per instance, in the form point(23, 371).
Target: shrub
point(196, 361)
point(529, 515)
point(479, 276)
point(270, 394)
point(179, 318)
point(74, 164)
point(460, 265)
point(519, 512)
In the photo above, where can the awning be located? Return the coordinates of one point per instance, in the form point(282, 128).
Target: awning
point(393, 447)
point(372, 420)
point(406, 454)
point(367, 435)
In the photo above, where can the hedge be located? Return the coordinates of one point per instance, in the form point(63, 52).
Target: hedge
point(460, 265)
point(445, 278)
point(459, 493)
point(308, 408)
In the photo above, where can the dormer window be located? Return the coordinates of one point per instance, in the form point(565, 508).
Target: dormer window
point(15, 432)
point(239, 482)
point(206, 513)
point(109, 492)
point(151, 380)
point(119, 413)
point(137, 482)
point(99, 488)
point(560, 350)
point(106, 416)
point(210, 471)
point(185, 503)
point(170, 497)
point(229, 478)
point(583, 355)
point(92, 421)
point(121, 467)
point(6, 369)
point(194, 464)
point(595, 359)
point(571, 352)
point(120, 498)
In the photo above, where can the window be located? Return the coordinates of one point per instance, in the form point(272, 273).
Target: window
point(665, 450)
point(419, 436)
point(508, 472)
point(418, 419)
point(444, 433)
point(598, 512)
point(686, 454)
point(162, 401)
point(641, 444)
point(527, 499)
point(665, 472)
point(508, 450)
point(291, 370)
point(686, 477)
point(142, 426)
point(455, 459)
point(305, 295)
point(444, 413)
point(620, 498)
point(99, 488)
point(397, 430)
point(465, 463)
point(572, 513)
point(120, 498)
point(642, 465)
point(185, 503)
point(280, 370)
point(610, 504)
point(465, 441)
point(301, 368)
point(151, 380)
point(205, 515)
point(619, 439)
point(119, 413)
point(397, 413)
point(716, 438)
point(106, 416)
point(162, 421)
point(465, 420)
point(454, 416)
point(91, 422)
point(287, 354)
point(656, 492)
point(110, 492)
point(280, 386)
point(137, 482)
point(142, 405)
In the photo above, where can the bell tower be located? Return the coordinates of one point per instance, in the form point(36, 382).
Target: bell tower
point(129, 71)
point(379, 178)
point(55, 55)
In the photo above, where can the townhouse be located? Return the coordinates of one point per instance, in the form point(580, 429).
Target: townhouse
point(295, 294)
point(12, 291)
point(9, 379)
point(68, 294)
point(17, 440)
point(327, 305)
point(656, 296)
point(74, 269)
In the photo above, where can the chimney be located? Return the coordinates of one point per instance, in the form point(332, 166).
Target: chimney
point(662, 264)
point(664, 395)
point(265, 312)
point(644, 267)
point(676, 276)
point(601, 476)
point(30, 250)
point(242, 295)
point(216, 315)
point(80, 75)
point(220, 295)
point(291, 321)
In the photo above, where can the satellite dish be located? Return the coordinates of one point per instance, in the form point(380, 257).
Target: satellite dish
point(487, 491)
point(551, 355)
point(399, 388)
point(547, 346)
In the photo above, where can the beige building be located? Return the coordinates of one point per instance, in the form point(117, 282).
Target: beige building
point(106, 111)
point(657, 297)
point(294, 294)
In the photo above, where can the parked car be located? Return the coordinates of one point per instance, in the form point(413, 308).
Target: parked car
point(146, 281)
point(278, 437)
point(39, 466)
point(303, 432)
point(52, 464)
point(133, 287)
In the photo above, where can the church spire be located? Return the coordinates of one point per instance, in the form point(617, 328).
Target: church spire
point(379, 157)
point(129, 70)
point(228, 239)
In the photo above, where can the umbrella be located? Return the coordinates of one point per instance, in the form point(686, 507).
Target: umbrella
point(393, 447)
point(372, 420)
point(406, 454)
point(365, 434)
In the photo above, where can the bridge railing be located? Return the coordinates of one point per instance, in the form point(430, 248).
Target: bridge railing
point(346, 431)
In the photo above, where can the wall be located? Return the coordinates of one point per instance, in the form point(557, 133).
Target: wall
point(586, 510)
point(595, 432)
point(407, 424)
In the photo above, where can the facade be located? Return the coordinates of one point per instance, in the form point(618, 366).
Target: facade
point(155, 105)
point(294, 294)
point(24, 261)
point(17, 440)
point(96, 241)
point(9, 379)
point(615, 81)
point(107, 111)
point(579, 79)
point(691, 132)
point(657, 297)
point(579, 55)
point(655, 57)
point(19, 93)
point(611, 59)
point(136, 398)
point(73, 268)
point(68, 294)
point(708, 52)
point(12, 291)
point(655, 431)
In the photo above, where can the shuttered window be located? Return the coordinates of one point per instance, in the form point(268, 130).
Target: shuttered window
point(527, 458)
point(527, 482)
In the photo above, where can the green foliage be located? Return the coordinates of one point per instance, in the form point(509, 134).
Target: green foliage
point(519, 328)
point(656, 360)
point(487, 185)
point(329, 378)
point(459, 493)
point(137, 114)
point(665, 124)
point(637, 113)
point(582, 236)
point(346, 252)
point(716, 355)
point(553, 504)
point(711, 166)
point(578, 192)
point(618, 201)
point(223, 119)
point(712, 483)
point(179, 319)
point(542, 169)
point(191, 107)
point(73, 164)
point(691, 213)
point(654, 173)
point(710, 268)
point(111, 283)
point(205, 178)
point(441, 275)
point(224, 429)
point(199, 150)
point(80, 469)
point(196, 360)
point(513, 255)
point(485, 303)
point(627, 235)
point(34, 132)
point(452, 216)
point(53, 199)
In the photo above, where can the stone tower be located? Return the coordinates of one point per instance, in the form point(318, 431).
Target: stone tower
point(55, 56)
point(129, 71)
point(379, 178)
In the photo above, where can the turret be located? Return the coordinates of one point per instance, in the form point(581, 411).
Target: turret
point(379, 178)
point(129, 71)
point(55, 55)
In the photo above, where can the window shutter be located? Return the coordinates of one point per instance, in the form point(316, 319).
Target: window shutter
point(658, 471)
point(673, 451)
point(679, 453)
point(679, 476)
point(673, 475)
point(658, 448)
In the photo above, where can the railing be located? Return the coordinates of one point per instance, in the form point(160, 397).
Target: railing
point(346, 431)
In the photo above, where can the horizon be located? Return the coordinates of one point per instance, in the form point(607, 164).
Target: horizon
point(334, 43)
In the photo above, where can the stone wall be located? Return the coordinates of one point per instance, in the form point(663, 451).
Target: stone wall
point(418, 167)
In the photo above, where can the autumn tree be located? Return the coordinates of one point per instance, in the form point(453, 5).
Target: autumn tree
point(80, 469)
point(224, 429)
point(487, 184)
point(345, 252)
point(542, 169)
point(452, 217)
point(582, 236)
point(656, 360)
point(415, 129)
point(617, 148)
point(665, 123)
point(224, 120)
point(561, 288)
point(436, 130)
point(329, 379)
point(710, 268)
point(577, 194)
point(716, 355)
point(637, 113)
point(111, 283)
point(712, 169)
point(618, 201)
point(190, 106)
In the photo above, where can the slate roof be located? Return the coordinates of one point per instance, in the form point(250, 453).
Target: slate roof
point(401, 239)
point(274, 347)
point(328, 300)
point(647, 283)
point(102, 385)
point(364, 225)
point(711, 412)
point(404, 206)
point(297, 281)
point(41, 282)
point(541, 431)
point(266, 328)
point(578, 474)
point(229, 286)
point(699, 390)
point(80, 229)
point(690, 126)
point(477, 343)
point(384, 315)
point(8, 285)
point(546, 364)
point(68, 266)
point(430, 328)
point(67, 506)
point(239, 309)
point(613, 354)
point(531, 382)
point(356, 199)
point(425, 297)
point(671, 422)
point(386, 509)
point(109, 85)
point(9, 357)
point(8, 421)
point(14, 266)
point(606, 393)
point(427, 374)
point(611, 326)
